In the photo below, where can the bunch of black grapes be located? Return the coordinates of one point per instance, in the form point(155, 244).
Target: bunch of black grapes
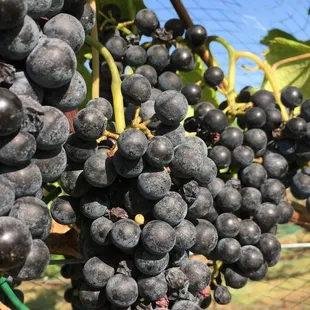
point(164, 216)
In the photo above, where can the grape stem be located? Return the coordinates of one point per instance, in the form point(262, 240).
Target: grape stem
point(95, 57)
point(216, 268)
point(106, 135)
point(115, 85)
point(52, 195)
point(285, 61)
point(11, 295)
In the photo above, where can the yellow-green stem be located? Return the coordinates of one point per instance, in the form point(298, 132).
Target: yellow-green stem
point(269, 76)
point(95, 57)
point(118, 104)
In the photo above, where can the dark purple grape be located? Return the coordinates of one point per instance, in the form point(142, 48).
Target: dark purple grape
point(272, 191)
point(12, 13)
point(231, 137)
point(169, 81)
point(146, 21)
point(64, 210)
point(269, 246)
point(150, 73)
point(242, 156)
point(152, 287)
point(222, 295)
point(228, 250)
point(305, 110)
point(15, 243)
point(273, 119)
point(216, 186)
point(213, 76)
point(229, 199)
point(227, 225)
point(221, 155)
point(276, 165)
point(182, 59)
point(287, 211)
point(100, 230)
point(255, 118)
point(117, 46)
point(253, 175)
point(158, 57)
point(135, 56)
point(251, 198)
point(300, 185)
point(192, 92)
point(234, 277)
point(249, 232)
point(263, 99)
point(260, 273)
point(291, 97)
point(267, 215)
point(186, 234)
point(196, 35)
point(202, 108)
point(215, 121)
point(175, 25)
point(91, 297)
point(251, 258)
point(176, 133)
point(296, 128)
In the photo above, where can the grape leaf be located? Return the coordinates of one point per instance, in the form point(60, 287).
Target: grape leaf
point(208, 94)
point(295, 73)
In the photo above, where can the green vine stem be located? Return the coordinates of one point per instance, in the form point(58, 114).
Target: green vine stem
point(234, 56)
point(11, 295)
point(115, 85)
point(132, 14)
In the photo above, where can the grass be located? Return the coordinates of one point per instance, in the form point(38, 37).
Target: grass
point(286, 287)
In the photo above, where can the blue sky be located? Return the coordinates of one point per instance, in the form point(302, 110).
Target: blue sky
point(243, 23)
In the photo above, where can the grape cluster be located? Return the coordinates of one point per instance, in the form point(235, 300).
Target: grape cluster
point(169, 209)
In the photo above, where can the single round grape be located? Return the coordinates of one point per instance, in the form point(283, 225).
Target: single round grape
point(96, 272)
point(192, 93)
point(22, 85)
point(11, 112)
point(273, 119)
point(186, 234)
point(12, 13)
point(222, 295)
point(171, 107)
point(231, 137)
point(152, 288)
point(17, 149)
point(66, 28)
point(127, 168)
point(215, 186)
point(55, 8)
point(35, 264)
point(291, 97)
point(149, 72)
point(256, 139)
point(198, 274)
point(158, 57)
point(272, 191)
point(196, 35)
point(146, 21)
point(185, 305)
point(213, 76)
point(255, 117)
point(18, 42)
point(154, 184)
point(229, 199)
point(176, 133)
point(187, 161)
point(251, 198)
point(253, 175)
point(93, 205)
point(100, 230)
point(276, 165)
point(269, 246)
point(197, 143)
point(55, 131)
point(251, 258)
point(182, 59)
point(249, 232)
point(159, 152)
point(158, 237)
point(214, 121)
point(99, 170)
point(300, 185)
point(221, 155)
point(263, 99)
point(227, 225)
point(169, 81)
point(69, 96)
point(171, 209)
point(79, 150)
point(150, 264)
point(234, 277)
point(132, 143)
point(136, 88)
point(64, 210)
point(286, 146)
point(26, 179)
point(228, 250)
point(175, 25)
point(206, 239)
point(121, 290)
point(296, 128)
point(52, 63)
point(135, 56)
point(35, 214)
point(202, 108)
point(15, 243)
point(103, 105)
point(242, 156)
point(117, 46)
point(260, 273)
point(287, 211)
point(91, 297)
point(267, 215)
point(125, 234)
point(38, 8)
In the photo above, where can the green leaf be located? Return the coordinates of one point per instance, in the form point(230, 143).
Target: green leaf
point(208, 94)
point(276, 33)
point(295, 73)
